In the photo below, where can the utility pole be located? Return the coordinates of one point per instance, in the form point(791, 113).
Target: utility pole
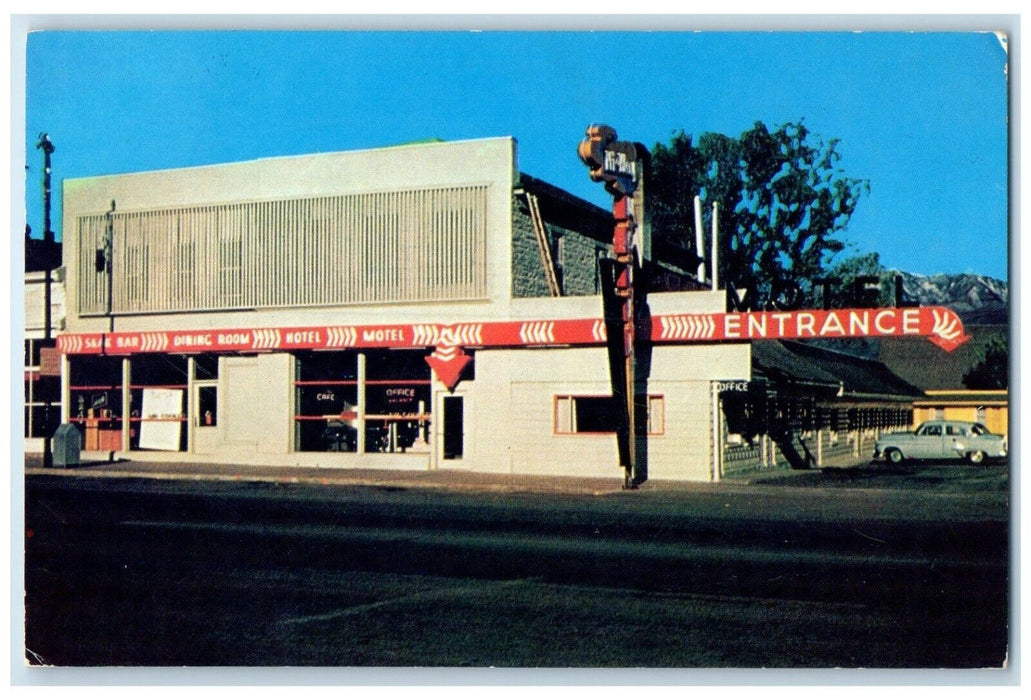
point(47, 147)
point(48, 235)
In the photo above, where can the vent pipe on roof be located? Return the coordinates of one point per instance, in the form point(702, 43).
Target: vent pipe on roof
point(715, 257)
point(699, 241)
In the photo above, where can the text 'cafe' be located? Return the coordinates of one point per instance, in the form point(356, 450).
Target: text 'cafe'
point(427, 307)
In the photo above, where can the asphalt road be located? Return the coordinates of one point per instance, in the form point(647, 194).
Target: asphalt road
point(830, 571)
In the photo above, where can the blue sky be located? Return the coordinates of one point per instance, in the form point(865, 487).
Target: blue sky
point(922, 116)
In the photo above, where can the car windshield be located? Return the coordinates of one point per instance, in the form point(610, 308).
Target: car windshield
point(978, 429)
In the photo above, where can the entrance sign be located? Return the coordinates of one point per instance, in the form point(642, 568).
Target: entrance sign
point(942, 326)
point(938, 324)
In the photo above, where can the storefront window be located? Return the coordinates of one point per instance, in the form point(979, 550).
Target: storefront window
point(42, 393)
point(326, 395)
point(157, 402)
point(397, 401)
point(95, 392)
point(43, 405)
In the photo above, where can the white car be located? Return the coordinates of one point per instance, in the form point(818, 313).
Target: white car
point(942, 439)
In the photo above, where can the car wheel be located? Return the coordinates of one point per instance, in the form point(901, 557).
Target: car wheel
point(894, 456)
point(975, 457)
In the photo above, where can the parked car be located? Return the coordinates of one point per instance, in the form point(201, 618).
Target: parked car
point(942, 439)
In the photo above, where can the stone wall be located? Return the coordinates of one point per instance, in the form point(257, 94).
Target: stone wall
point(578, 272)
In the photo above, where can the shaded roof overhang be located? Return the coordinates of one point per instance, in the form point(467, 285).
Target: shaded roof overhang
point(828, 373)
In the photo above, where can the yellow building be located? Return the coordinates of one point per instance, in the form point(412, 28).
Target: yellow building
point(988, 407)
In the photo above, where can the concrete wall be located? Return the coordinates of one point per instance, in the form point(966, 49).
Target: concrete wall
point(683, 374)
point(513, 403)
point(255, 409)
point(490, 162)
point(510, 411)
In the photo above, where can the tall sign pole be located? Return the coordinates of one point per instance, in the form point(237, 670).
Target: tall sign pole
point(617, 164)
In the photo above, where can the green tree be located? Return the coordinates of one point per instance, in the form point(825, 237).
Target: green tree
point(848, 270)
point(782, 200)
point(992, 371)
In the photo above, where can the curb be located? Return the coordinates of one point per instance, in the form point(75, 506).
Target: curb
point(466, 482)
point(487, 484)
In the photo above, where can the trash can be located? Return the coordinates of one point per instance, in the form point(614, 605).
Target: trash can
point(67, 443)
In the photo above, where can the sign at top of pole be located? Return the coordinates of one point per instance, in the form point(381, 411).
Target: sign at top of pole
point(610, 161)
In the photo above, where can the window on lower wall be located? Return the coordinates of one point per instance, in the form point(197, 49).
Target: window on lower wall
point(656, 415)
point(397, 391)
point(600, 414)
point(95, 397)
point(207, 406)
point(157, 402)
point(326, 401)
point(205, 382)
point(42, 392)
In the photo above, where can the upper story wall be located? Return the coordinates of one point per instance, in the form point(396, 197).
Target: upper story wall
point(35, 304)
point(578, 233)
point(297, 237)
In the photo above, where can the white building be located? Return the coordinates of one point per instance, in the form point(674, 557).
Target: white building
point(429, 307)
point(42, 390)
point(281, 311)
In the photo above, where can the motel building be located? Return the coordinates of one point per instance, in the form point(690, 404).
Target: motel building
point(425, 307)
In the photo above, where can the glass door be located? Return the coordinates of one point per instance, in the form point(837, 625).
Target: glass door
point(453, 422)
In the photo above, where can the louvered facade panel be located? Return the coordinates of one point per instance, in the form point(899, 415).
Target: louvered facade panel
point(401, 246)
point(92, 287)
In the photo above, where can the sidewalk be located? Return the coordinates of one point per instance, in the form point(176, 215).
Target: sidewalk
point(385, 478)
point(96, 466)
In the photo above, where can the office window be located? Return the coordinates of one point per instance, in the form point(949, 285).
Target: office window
point(600, 414)
point(397, 391)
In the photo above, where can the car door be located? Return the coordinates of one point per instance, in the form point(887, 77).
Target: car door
point(928, 443)
point(960, 440)
point(956, 437)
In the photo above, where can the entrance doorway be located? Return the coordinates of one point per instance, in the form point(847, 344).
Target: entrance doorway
point(453, 423)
